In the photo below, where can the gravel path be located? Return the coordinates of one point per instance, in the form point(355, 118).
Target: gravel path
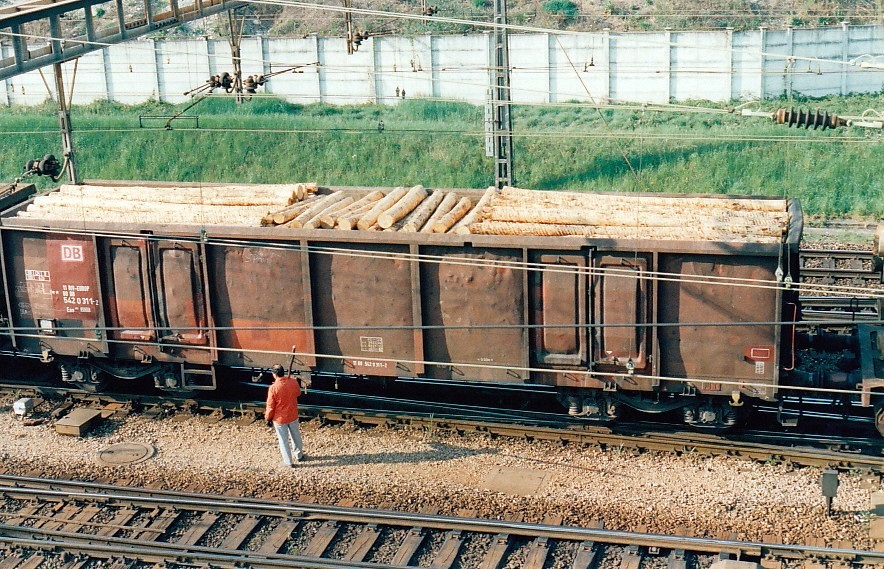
point(411, 470)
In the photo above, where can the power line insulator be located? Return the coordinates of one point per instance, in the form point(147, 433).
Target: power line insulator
point(252, 82)
point(226, 81)
point(808, 118)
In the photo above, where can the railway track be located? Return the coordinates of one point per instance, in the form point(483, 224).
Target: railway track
point(840, 309)
point(864, 454)
point(92, 521)
point(828, 265)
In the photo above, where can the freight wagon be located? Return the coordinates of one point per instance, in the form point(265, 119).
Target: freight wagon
point(654, 302)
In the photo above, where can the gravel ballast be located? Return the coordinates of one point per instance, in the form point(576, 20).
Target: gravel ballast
point(417, 470)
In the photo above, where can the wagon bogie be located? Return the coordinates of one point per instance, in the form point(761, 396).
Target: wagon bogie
point(82, 374)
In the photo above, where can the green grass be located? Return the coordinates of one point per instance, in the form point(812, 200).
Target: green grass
point(836, 173)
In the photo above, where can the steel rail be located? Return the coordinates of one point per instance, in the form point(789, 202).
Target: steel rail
point(75, 491)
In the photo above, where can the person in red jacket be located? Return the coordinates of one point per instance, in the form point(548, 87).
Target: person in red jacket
point(282, 412)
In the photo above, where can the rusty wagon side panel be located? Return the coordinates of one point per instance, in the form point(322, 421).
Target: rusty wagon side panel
point(363, 309)
point(260, 304)
point(156, 297)
point(732, 352)
point(474, 302)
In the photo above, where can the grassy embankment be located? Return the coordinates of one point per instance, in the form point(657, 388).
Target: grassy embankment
point(836, 173)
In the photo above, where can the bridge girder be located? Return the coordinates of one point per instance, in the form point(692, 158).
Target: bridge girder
point(56, 49)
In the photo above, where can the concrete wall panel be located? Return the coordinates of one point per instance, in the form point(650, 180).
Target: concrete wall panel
point(530, 65)
point(641, 67)
point(700, 66)
point(463, 67)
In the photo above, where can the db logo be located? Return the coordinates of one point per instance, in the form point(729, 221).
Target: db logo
point(72, 253)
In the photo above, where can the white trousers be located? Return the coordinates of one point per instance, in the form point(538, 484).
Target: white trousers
point(283, 432)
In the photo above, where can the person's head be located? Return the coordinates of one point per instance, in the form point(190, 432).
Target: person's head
point(278, 370)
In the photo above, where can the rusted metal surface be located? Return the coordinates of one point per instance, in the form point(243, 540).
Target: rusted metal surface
point(366, 290)
point(257, 293)
point(128, 309)
point(719, 352)
point(559, 298)
point(54, 291)
point(457, 293)
point(621, 303)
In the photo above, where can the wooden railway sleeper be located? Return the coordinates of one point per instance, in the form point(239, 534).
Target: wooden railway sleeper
point(497, 552)
point(322, 539)
point(537, 554)
point(363, 543)
point(585, 557)
point(447, 554)
point(632, 558)
point(409, 546)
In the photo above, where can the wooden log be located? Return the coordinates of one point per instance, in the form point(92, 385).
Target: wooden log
point(113, 208)
point(445, 206)
point(672, 217)
point(312, 212)
point(348, 221)
point(182, 217)
point(462, 227)
point(314, 222)
point(403, 207)
point(673, 233)
point(416, 219)
point(284, 216)
point(371, 217)
point(224, 195)
point(448, 220)
point(329, 221)
point(603, 200)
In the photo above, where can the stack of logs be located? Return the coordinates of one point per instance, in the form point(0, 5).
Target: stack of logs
point(510, 211)
point(515, 211)
point(205, 205)
point(408, 210)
